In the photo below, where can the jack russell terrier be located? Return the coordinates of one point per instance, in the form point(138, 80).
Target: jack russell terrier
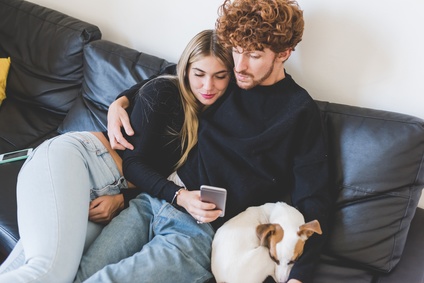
point(262, 241)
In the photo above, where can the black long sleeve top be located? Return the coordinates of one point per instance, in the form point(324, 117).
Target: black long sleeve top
point(263, 145)
point(156, 117)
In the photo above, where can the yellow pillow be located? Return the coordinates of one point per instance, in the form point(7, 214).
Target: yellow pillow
point(4, 70)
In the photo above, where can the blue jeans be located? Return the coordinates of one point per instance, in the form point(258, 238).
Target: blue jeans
point(53, 193)
point(151, 241)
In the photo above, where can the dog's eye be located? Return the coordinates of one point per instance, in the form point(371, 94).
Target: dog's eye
point(291, 262)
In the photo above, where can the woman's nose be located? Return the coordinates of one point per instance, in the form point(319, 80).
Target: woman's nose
point(208, 83)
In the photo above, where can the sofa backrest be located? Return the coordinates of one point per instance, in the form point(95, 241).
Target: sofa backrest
point(109, 69)
point(377, 160)
point(46, 50)
point(45, 76)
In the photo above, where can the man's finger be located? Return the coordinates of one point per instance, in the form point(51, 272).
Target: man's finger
point(115, 144)
point(127, 127)
point(123, 142)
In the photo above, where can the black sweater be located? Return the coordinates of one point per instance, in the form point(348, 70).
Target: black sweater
point(157, 117)
point(263, 145)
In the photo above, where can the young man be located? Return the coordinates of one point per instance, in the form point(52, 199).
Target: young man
point(264, 142)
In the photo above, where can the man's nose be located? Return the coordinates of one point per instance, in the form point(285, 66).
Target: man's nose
point(240, 63)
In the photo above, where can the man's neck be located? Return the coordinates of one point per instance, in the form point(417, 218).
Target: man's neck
point(277, 75)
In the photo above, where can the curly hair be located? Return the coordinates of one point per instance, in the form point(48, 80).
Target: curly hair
point(258, 24)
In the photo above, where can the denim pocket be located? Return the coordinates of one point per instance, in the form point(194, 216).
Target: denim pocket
point(112, 189)
point(88, 143)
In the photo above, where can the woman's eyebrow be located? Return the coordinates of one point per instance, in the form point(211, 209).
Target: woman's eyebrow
point(219, 72)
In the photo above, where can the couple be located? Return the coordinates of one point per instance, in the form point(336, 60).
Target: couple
point(262, 141)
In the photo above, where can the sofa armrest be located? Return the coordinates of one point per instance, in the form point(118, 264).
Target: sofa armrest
point(9, 233)
point(410, 267)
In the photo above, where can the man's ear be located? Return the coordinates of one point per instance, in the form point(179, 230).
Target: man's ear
point(284, 55)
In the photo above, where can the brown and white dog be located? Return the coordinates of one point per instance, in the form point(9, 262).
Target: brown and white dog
point(262, 241)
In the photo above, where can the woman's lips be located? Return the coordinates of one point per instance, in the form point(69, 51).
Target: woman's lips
point(208, 95)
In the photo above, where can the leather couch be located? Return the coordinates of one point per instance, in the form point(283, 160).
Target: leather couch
point(63, 76)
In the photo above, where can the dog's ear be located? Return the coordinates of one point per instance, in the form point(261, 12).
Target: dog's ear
point(310, 228)
point(269, 235)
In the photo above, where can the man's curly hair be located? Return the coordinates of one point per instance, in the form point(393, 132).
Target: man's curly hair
point(258, 24)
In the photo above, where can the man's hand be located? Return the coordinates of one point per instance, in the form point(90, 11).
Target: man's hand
point(117, 118)
point(104, 208)
point(293, 281)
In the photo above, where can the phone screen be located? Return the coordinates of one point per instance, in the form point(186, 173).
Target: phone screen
point(15, 154)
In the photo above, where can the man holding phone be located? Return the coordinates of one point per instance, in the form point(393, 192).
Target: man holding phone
point(264, 142)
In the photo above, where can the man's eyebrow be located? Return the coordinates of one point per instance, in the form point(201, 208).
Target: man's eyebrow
point(247, 51)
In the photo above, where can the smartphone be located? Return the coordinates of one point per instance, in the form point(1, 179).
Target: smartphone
point(15, 155)
point(215, 195)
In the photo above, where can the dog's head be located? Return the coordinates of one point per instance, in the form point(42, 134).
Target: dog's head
point(285, 247)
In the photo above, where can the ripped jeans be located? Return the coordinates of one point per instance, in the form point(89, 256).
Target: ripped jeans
point(54, 189)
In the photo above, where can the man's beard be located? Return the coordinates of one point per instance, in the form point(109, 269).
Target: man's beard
point(258, 81)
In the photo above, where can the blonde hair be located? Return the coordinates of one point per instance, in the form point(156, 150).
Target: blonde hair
point(201, 45)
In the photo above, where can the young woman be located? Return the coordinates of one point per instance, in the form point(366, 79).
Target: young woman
point(56, 183)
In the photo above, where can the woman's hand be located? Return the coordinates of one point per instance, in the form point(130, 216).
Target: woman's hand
point(201, 211)
point(117, 118)
point(104, 208)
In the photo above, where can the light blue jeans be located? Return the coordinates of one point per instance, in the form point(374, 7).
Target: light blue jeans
point(53, 193)
point(151, 241)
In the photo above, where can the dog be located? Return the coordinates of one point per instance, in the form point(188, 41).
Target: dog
point(262, 241)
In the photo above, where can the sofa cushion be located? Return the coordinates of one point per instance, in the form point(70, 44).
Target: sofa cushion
point(31, 125)
point(377, 159)
point(4, 70)
point(109, 69)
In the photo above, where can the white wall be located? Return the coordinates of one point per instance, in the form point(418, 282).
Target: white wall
point(363, 53)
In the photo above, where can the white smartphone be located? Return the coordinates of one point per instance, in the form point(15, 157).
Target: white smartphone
point(15, 155)
point(215, 195)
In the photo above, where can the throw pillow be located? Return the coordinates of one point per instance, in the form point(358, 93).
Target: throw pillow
point(4, 70)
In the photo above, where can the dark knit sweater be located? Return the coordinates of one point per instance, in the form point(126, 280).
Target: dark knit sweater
point(157, 117)
point(263, 145)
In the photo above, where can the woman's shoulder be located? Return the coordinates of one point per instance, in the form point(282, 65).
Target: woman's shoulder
point(160, 88)
point(162, 83)
point(159, 95)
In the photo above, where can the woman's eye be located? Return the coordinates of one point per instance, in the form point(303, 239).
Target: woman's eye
point(221, 77)
point(198, 75)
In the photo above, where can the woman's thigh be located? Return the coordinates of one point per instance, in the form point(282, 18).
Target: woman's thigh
point(53, 195)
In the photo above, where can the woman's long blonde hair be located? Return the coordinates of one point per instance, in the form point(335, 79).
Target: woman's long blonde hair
point(202, 45)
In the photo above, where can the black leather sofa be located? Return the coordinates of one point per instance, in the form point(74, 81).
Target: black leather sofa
point(63, 77)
